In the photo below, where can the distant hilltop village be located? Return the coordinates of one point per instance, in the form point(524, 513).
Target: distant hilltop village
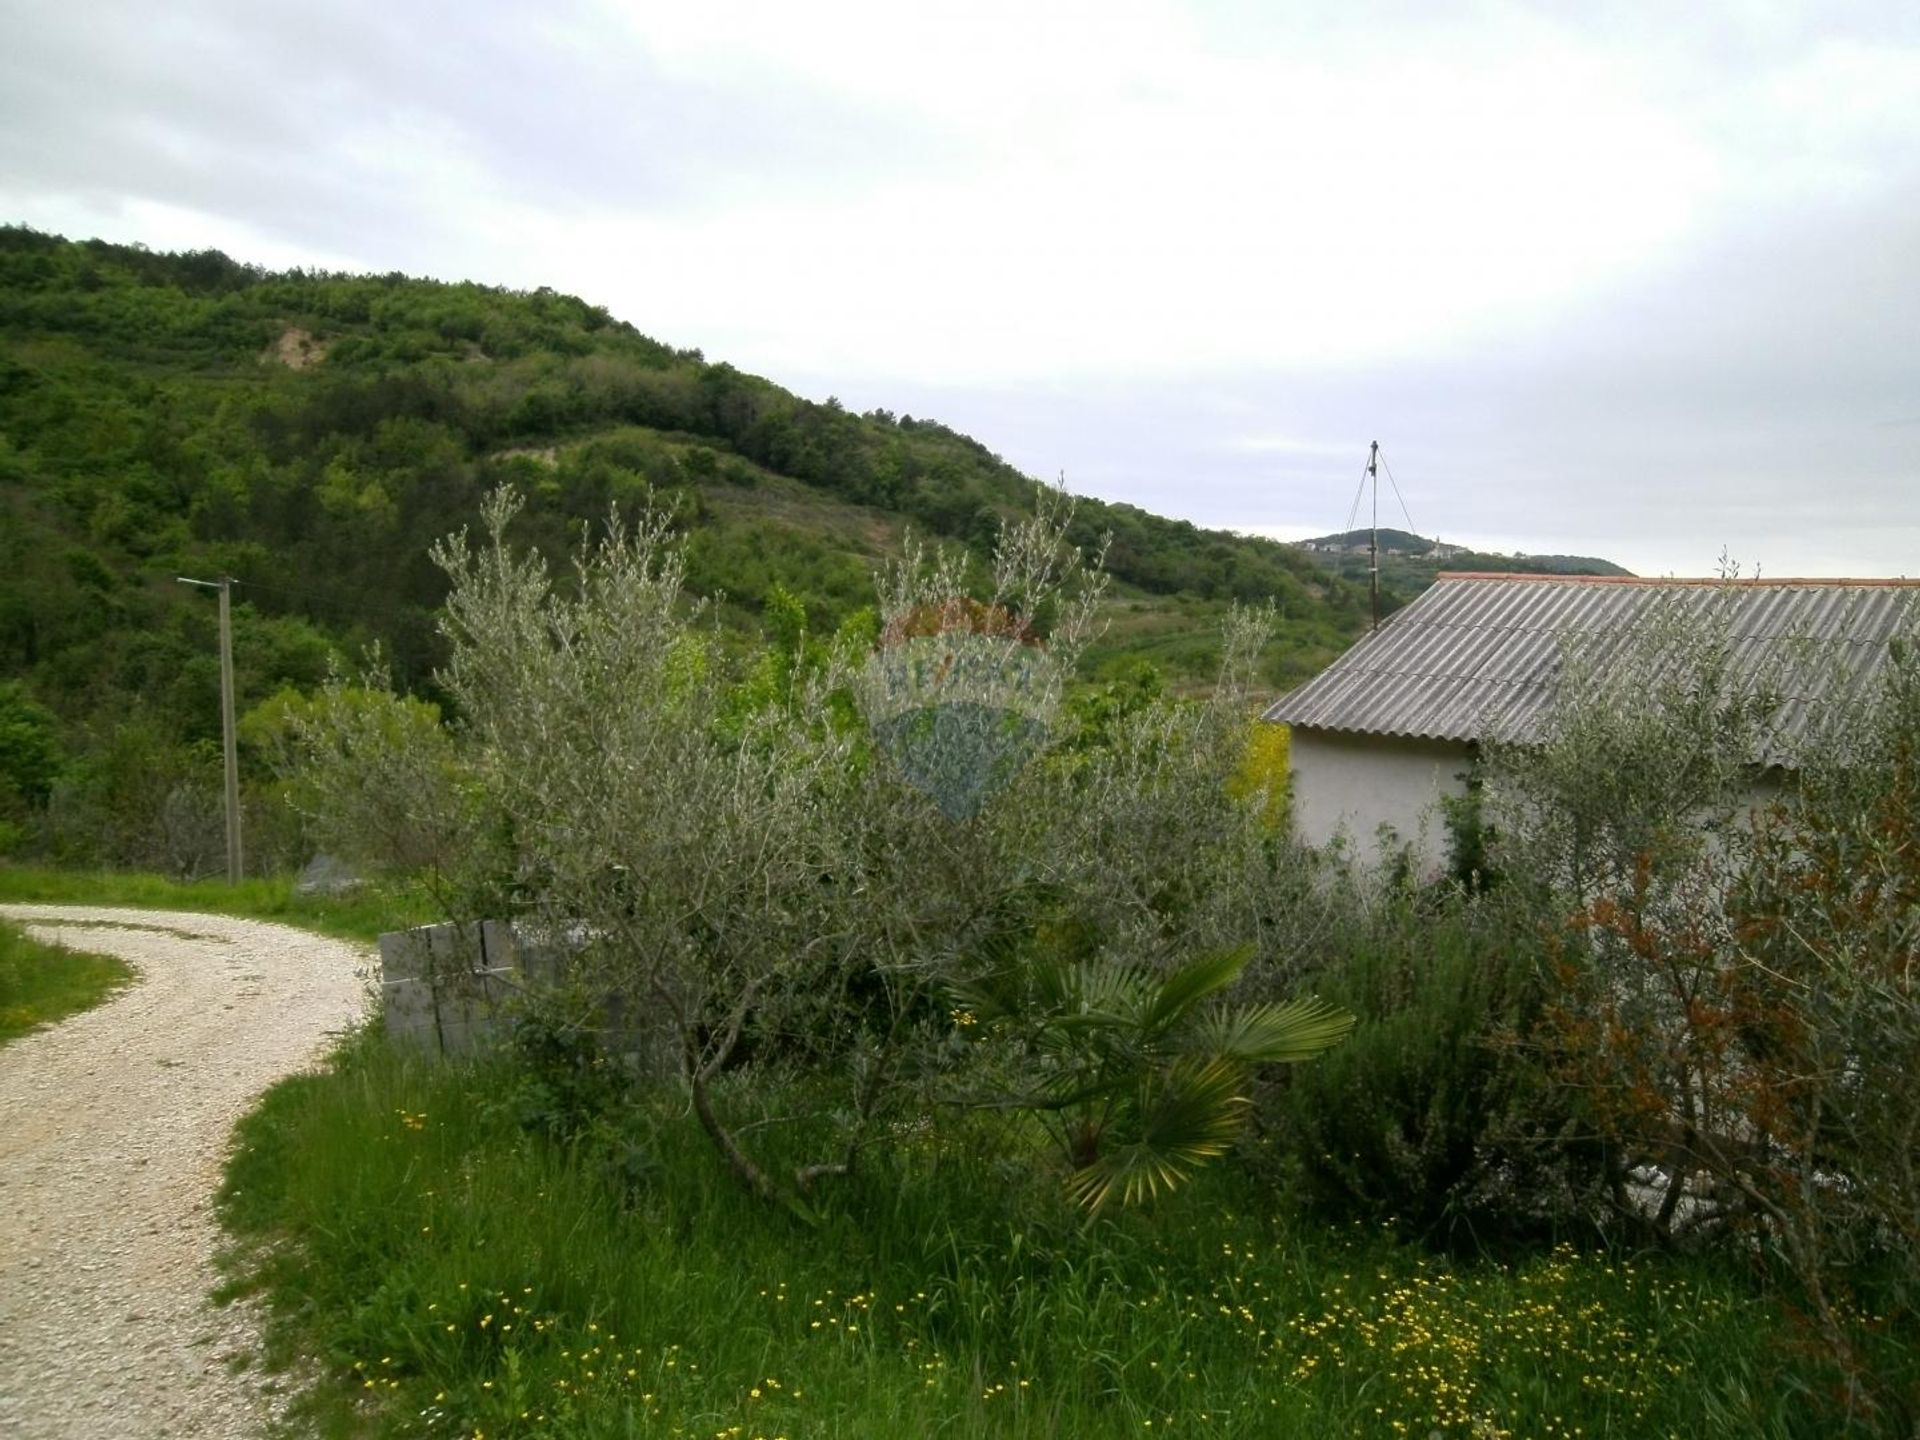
point(1392, 542)
point(1424, 557)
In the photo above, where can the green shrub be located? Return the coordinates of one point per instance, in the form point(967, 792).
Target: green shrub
point(1722, 825)
point(772, 878)
point(1431, 1115)
point(565, 1085)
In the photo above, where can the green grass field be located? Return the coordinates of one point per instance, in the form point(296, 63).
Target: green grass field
point(40, 984)
point(461, 1276)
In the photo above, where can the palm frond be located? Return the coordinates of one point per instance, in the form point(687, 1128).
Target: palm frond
point(1067, 1090)
point(1187, 1116)
point(1193, 982)
point(1104, 994)
point(1262, 1034)
point(1052, 985)
point(988, 998)
point(1003, 979)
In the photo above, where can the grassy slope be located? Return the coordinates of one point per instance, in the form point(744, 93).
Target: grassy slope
point(41, 984)
point(492, 1283)
point(780, 530)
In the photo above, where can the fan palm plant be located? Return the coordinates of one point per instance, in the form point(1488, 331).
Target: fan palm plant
point(1140, 1076)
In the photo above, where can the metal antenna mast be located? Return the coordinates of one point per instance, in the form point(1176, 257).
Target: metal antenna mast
point(1373, 542)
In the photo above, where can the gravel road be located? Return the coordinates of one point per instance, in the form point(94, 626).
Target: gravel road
point(113, 1127)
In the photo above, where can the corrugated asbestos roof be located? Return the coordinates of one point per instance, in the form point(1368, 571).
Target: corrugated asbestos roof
point(1479, 656)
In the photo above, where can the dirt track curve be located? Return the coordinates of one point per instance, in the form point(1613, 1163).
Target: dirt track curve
point(113, 1127)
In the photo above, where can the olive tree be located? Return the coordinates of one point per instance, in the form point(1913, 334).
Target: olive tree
point(677, 841)
point(807, 870)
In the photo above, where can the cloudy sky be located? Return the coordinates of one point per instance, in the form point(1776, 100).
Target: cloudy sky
point(1631, 279)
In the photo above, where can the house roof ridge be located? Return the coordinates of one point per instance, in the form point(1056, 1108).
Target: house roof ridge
point(1740, 581)
point(1435, 667)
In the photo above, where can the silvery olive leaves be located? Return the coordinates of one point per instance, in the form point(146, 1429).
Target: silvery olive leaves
point(728, 855)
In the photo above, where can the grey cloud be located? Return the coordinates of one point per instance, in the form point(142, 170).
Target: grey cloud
point(250, 111)
point(1763, 393)
point(1759, 397)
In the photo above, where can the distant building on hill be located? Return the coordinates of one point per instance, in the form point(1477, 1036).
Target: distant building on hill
point(1392, 727)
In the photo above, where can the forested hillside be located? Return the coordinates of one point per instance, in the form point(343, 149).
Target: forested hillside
point(311, 434)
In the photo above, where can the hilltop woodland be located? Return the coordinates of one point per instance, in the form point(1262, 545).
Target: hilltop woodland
point(311, 435)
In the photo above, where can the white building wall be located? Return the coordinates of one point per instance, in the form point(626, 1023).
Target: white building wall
point(1353, 785)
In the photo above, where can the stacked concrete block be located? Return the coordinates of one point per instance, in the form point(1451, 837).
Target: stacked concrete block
point(444, 984)
point(542, 955)
point(446, 988)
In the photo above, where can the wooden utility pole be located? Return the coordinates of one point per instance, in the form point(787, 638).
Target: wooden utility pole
point(229, 745)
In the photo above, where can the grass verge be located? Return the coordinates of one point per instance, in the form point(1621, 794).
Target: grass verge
point(40, 984)
point(359, 915)
point(458, 1275)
